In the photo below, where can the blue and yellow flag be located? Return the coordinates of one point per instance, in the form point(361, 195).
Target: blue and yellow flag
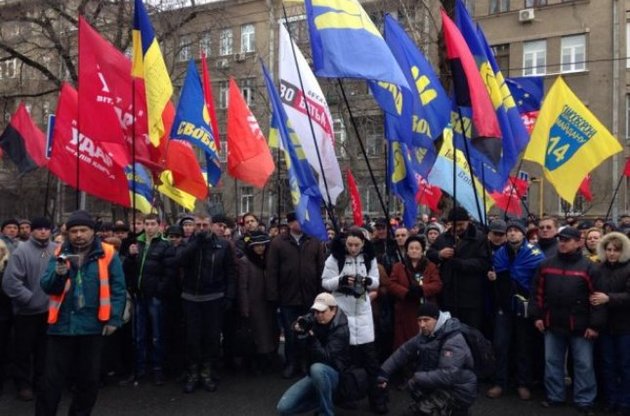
point(568, 141)
point(346, 43)
point(403, 180)
point(192, 121)
point(148, 64)
point(143, 187)
point(503, 154)
point(305, 194)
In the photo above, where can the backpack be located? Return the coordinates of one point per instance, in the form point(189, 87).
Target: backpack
point(485, 362)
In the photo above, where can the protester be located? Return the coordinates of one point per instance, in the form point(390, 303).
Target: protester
point(560, 307)
point(87, 290)
point(514, 266)
point(592, 238)
point(401, 234)
point(187, 222)
point(24, 232)
point(252, 299)
point(6, 315)
point(414, 281)
point(497, 235)
point(350, 272)
point(9, 230)
point(432, 232)
point(614, 340)
point(294, 268)
point(547, 231)
point(443, 381)
point(464, 260)
point(327, 339)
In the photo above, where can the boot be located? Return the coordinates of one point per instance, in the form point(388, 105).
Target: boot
point(206, 378)
point(192, 379)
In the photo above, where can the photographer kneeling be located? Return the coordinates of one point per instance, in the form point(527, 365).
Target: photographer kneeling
point(328, 339)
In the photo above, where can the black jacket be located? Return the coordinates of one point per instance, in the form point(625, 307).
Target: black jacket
point(560, 294)
point(146, 273)
point(330, 344)
point(464, 275)
point(614, 281)
point(209, 266)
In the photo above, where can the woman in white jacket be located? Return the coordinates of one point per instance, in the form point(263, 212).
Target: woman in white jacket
point(350, 272)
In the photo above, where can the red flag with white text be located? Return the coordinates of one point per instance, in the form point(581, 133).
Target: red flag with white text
point(428, 195)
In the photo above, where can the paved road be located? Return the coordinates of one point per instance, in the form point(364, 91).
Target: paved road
point(246, 395)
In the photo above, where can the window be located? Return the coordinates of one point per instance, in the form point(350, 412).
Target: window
point(247, 199)
point(370, 197)
point(499, 6)
point(223, 94)
point(340, 138)
point(8, 69)
point(204, 44)
point(225, 42)
point(502, 56)
point(248, 38)
point(573, 53)
point(535, 3)
point(184, 53)
point(247, 89)
point(534, 57)
point(374, 134)
point(223, 151)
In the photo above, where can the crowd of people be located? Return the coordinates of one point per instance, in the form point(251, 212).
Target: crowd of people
point(90, 302)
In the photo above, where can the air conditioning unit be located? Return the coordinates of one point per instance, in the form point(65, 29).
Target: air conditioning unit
point(526, 15)
point(223, 63)
point(239, 57)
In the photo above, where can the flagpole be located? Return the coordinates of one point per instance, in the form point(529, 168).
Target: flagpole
point(133, 156)
point(482, 218)
point(47, 193)
point(363, 152)
point(612, 200)
point(78, 193)
point(329, 205)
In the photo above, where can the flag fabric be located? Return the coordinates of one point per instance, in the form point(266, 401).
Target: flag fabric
point(294, 103)
point(148, 65)
point(23, 142)
point(403, 179)
point(470, 90)
point(442, 176)
point(355, 200)
point(183, 170)
point(305, 193)
point(585, 188)
point(528, 93)
point(209, 97)
point(346, 43)
point(428, 195)
point(430, 104)
point(568, 140)
point(626, 169)
point(143, 186)
point(509, 199)
point(99, 175)
point(249, 158)
point(168, 188)
point(192, 121)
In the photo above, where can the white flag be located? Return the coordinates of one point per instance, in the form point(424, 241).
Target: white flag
point(294, 105)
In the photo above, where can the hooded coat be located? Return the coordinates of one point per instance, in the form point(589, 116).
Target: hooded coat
point(614, 281)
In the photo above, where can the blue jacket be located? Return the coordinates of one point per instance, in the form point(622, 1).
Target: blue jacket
point(84, 321)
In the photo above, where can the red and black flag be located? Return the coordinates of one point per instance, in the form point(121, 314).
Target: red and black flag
point(23, 141)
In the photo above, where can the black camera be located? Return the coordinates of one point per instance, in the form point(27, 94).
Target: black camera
point(305, 322)
point(358, 288)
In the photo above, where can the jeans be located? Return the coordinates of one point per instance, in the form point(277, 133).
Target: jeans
point(148, 309)
point(313, 392)
point(288, 315)
point(584, 384)
point(513, 333)
point(70, 355)
point(29, 349)
point(203, 331)
point(615, 360)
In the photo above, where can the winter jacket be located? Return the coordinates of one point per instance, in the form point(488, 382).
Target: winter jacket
point(146, 271)
point(614, 281)
point(358, 310)
point(463, 275)
point(294, 271)
point(22, 276)
point(401, 279)
point(560, 294)
point(330, 344)
point(209, 266)
point(6, 312)
point(442, 360)
point(73, 320)
point(549, 246)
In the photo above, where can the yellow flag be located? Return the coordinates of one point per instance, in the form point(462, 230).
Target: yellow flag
point(568, 141)
point(182, 198)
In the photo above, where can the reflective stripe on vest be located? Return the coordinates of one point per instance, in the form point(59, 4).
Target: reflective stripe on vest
point(104, 304)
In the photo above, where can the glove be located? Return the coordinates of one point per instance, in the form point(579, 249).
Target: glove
point(343, 280)
point(414, 292)
point(61, 268)
point(108, 330)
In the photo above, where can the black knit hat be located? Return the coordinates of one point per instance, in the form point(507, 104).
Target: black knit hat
point(10, 221)
point(256, 237)
point(41, 222)
point(80, 217)
point(458, 214)
point(174, 230)
point(518, 225)
point(291, 217)
point(428, 309)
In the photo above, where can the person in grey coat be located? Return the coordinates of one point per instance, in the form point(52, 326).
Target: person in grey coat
point(30, 305)
point(443, 382)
